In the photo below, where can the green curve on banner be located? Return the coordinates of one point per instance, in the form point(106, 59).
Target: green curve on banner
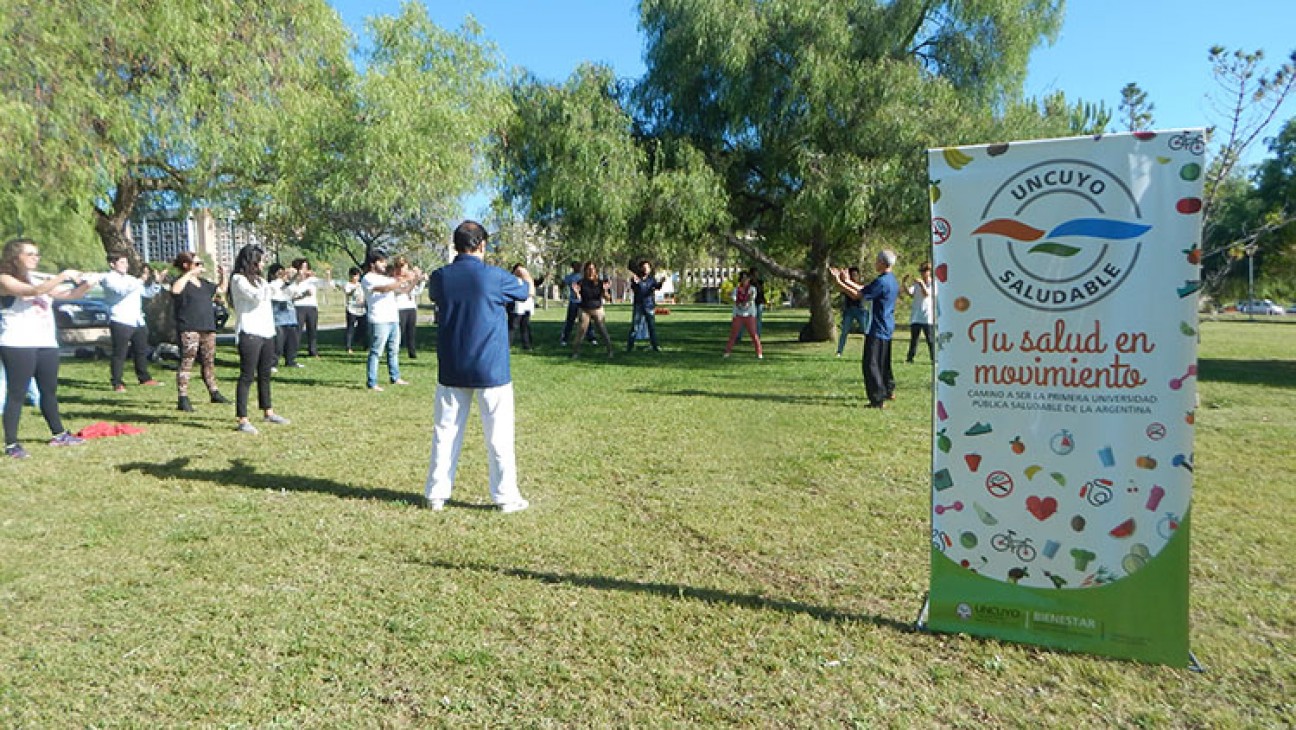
point(1142, 617)
point(1054, 249)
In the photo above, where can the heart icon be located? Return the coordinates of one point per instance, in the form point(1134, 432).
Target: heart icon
point(942, 271)
point(1041, 508)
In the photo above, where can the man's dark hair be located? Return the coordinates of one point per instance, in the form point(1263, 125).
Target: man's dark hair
point(470, 236)
point(298, 263)
point(375, 255)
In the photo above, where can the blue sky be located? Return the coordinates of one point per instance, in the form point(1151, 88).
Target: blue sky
point(1159, 44)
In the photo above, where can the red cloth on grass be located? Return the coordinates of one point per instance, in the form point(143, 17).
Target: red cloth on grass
point(101, 429)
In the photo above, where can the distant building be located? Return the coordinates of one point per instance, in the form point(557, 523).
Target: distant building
point(160, 236)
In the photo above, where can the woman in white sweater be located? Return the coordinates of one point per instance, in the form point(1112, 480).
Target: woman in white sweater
point(250, 297)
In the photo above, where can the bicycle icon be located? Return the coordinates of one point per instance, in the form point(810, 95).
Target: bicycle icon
point(1194, 143)
point(1023, 549)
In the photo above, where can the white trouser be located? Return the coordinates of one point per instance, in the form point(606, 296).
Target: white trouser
point(450, 417)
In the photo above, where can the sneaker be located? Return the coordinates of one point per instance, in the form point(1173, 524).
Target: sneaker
point(297, 365)
point(517, 506)
point(67, 438)
point(273, 370)
point(216, 397)
point(183, 404)
point(277, 419)
point(119, 389)
point(15, 451)
point(246, 427)
point(726, 354)
point(151, 383)
point(436, 505)
point(400, 381)
point(376, 387)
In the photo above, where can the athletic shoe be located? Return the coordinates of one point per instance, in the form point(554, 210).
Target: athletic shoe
point(216, 397)
point(273, 370)
point(246, 427)
point(436, 505)
point(400, 381)
point(15, 451)
point(67, 438)
point(119, 389)
point(276, 418)
point(151, 383)
point(376, 387)
point(517, 506)
point(297, 365)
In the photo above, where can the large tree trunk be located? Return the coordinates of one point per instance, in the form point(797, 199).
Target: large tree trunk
point(822, 326)
point(112, 225)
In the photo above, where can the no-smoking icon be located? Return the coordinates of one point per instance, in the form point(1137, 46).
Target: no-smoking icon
point(999, 484)
point(1156, 431)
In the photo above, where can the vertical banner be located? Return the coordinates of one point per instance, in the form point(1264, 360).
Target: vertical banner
point(1066, 279)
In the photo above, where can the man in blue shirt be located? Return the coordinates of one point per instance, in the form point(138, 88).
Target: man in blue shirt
point(645, 286)
point(473, 362)
point(883, 291)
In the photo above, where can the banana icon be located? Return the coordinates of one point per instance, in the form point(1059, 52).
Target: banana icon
point(956, 158)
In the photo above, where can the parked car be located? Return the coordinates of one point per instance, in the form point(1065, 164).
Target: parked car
point(1258, 306)
point(83, 325)
point(1291, 309)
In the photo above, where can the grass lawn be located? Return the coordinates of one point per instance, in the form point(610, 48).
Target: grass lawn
point(711, 542)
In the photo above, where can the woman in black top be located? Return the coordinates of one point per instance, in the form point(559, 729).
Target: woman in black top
point(589, 297)
point(195, 317)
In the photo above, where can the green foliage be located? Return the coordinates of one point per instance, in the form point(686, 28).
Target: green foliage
point(390, 151)
point(1136, 110)
point(105, 102)
point(814, 114)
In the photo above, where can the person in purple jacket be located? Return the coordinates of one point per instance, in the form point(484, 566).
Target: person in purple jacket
point(473, 363)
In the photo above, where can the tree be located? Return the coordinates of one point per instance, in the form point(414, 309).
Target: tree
point(387, 162)
point(1248, 98)
point(813, 115)
point(109, 102)
point(1135, 108)
point(575, 161)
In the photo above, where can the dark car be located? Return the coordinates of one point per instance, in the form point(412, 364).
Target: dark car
point(83, 325)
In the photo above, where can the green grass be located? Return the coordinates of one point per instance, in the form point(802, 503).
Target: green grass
point(710, 542)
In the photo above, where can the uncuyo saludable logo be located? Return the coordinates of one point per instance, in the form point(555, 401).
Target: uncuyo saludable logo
point(1060, 235)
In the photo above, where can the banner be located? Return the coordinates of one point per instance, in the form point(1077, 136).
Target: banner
point(1066, 278)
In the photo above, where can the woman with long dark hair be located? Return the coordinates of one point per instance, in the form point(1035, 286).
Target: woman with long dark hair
point(250, 297)
point(195, 318)
point(28, 341)
point(589, 292)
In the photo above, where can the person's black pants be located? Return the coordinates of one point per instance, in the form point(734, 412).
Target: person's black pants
point(408, 324)
point(133, 340)
point(915, 329)
point(520, 329)
point(308, 320)
point(287, 342)
point(879, 383)
point(21, 364)
point(256, 357)
point(355, 327)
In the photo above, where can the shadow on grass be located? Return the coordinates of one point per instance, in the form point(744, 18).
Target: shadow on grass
point(804, 400)
point(678, 592)
point(1273, 373)
point(240, 473)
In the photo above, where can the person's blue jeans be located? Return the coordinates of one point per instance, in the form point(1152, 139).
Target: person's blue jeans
point(384, 334)
point(859, 316)
point(646, 319)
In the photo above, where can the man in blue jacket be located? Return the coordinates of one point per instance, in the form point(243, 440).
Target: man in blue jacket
point(473, 362)
point(879, 382)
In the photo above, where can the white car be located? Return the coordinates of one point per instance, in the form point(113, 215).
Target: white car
point(1259, 306)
